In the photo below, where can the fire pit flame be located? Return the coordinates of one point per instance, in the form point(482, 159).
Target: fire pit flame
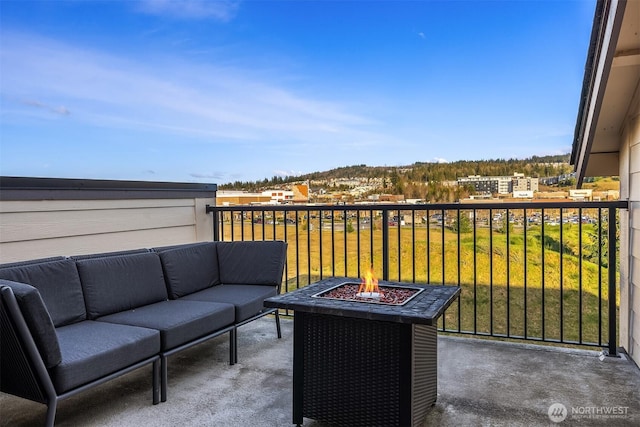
point(369, 286)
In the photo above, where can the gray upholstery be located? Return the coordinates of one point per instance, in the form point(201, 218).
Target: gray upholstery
point(38, 321)
point(119, 283)
point(93, 317)
point(178, 321)
point(258, 263)
point(247, 299)
point(108, 254)
point(91, 350)
point(59, 286)
point(189, 268)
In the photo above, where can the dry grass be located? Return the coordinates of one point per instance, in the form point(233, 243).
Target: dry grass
point(526, 294)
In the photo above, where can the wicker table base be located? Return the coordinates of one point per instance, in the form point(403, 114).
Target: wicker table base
point(356, 372)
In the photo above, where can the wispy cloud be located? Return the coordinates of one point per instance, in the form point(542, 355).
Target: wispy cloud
point(59, 110)
point(284, 173)
point(220, 10)
point(208, 103)
point(209, 175)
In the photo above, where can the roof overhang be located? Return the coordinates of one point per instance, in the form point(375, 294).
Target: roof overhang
point(612, 74)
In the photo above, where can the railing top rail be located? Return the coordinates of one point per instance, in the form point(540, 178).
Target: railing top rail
point(619, 204)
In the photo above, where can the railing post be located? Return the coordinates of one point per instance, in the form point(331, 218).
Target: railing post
point(385, 244)
point(613, 315)
point(215, 221)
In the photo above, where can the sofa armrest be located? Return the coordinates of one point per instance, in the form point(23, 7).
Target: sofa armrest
point(37, 319)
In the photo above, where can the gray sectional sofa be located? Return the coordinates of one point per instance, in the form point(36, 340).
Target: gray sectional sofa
point(71, 323)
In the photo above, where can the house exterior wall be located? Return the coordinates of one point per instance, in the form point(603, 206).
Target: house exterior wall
point(630, 232)
point(31, 229)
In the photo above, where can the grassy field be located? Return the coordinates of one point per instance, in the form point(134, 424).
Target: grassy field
point(526, 285)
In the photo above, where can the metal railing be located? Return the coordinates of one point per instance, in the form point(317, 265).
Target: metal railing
point(532, 270)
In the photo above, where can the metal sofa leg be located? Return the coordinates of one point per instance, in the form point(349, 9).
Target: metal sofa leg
point(277, 314)
point(155, 372)
point(163, 378)
point(51, 412)
point(233, 346)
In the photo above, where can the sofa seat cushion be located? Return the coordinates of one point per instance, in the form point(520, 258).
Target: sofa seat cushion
point(247, 299)
point(57, 281)
point(178, 321)
point(117, 283)
point(189, 268)
point(90, 350)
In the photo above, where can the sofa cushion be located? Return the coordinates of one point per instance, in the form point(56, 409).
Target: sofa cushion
point(118, 283)
point(178, 321)
point(189, 268)
point(38, 321)
point(59, 286)
point(108, 254)
point(91, 350)
point(254, 262)
point(247, 299)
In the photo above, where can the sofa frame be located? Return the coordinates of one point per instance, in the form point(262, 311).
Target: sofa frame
point(25, 370)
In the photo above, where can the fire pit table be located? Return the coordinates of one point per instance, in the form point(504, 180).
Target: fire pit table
point(363, 361)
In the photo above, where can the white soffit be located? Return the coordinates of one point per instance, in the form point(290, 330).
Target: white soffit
point(620, 86)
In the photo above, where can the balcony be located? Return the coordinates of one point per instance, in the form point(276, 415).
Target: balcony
point(536, 323)
point(480, 382)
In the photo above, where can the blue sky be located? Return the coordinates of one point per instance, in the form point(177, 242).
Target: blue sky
point(219, 91)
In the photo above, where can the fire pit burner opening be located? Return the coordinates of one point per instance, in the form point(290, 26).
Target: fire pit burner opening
point(388, 294)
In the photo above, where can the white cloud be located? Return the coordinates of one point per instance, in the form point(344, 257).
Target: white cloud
point(60, 110)
point(210, 103)
point(421, 35)
point(220, 10)
point(284, 173)
point(212, 175)
point(440, 160)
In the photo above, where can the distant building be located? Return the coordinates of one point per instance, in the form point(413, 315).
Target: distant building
point(555, 180)
point(300, 193)
point(268, 197)
point(279, 196)
point(581, 194)
point(521, 183)
point(499, 184)
point(233, 198)
point(486, 184)
point(392, 198)
point(523, 194)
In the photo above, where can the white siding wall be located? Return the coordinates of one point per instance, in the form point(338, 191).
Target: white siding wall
point(630, 233)
point(37, 229)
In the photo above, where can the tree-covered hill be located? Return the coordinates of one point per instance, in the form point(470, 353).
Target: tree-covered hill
point(423, 173)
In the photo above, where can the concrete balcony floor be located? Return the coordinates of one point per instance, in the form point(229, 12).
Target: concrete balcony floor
point(480, 383)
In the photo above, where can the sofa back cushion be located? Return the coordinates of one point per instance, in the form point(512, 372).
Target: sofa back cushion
point(189, 268)
point(38, 321)
point(118, 283)
point(251, 262)
point(58, 283)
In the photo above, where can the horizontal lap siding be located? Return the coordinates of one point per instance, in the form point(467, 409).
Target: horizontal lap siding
point(38, 229)
point(49, 225)
point(634, 276)
point(81, 205)
point(95, 243)
point(632, 137)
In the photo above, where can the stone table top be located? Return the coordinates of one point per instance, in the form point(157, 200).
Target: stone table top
point(425, 308)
